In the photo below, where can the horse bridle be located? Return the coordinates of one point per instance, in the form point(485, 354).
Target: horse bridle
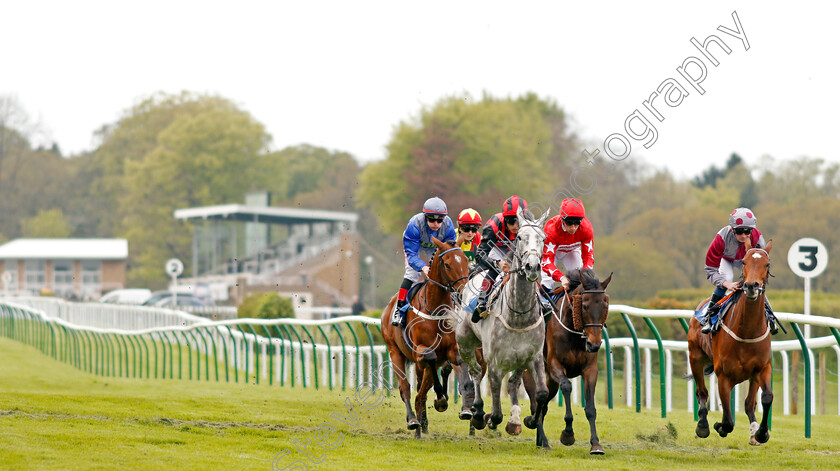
point(761, 289)
point(450, 285)
point(571, 305)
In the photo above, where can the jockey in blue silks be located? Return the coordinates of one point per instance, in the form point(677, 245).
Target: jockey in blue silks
point(419, 248)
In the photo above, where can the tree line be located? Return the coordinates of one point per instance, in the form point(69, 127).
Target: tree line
point(183, 150)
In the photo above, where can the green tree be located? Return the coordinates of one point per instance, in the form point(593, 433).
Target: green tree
point(47, 224)
point(212, 155)
point(471, 154)
point(265, 306)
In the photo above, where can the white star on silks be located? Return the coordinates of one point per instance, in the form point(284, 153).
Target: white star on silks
point(589, 245)
point(544, 262)
point(549, 247)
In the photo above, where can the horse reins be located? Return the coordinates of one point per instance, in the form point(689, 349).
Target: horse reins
point(449, 286)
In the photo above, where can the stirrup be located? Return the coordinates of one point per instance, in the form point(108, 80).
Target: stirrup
point(396, 316)
point(707, 327)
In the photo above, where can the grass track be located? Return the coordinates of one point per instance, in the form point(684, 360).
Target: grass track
point(53, 416)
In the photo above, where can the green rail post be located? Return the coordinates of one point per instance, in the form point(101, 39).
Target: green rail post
point(329, 358)
point(372, 354)
point(197, 355)
point(247, 351)
point(662, 399)
point(269, 351)
point(77, 346)
point(807, 358)
point(609, 367)
point(358, 356)
point(684, 325)
point(302, 357)
point(235, 363)
point(146, 347)
point(180, 353)
point(112, 354)
point(637, 362)
point(215, 353)
point(189, 352)
point(206, 355)
point(282, 354)
point(314, 366)
point(88, 351)
point(291, 355)
point(53, 344)
point(388, 387)
point(154, 345)
point(256, 354)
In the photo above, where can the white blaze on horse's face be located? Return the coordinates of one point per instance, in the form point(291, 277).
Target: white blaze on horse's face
point(529, 245)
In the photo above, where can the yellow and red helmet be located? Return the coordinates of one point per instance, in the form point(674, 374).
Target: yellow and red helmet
point(469, 216)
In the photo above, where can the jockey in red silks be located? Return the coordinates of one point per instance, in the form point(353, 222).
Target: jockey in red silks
point(469, 223)
point(726, 252)
point(497, 238)
point(419, 248)
point(568, 242)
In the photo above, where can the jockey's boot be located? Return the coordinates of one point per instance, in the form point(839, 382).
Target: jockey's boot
point(397, 316)
point(713, 309)
point(545, 304)
point(482, 304)
point(771, 318)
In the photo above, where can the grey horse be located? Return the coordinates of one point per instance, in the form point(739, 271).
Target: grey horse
point(512, 335)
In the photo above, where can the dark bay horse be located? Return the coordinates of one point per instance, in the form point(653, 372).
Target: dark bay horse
point(572, 341)
point(429, 335)
point(740, 351)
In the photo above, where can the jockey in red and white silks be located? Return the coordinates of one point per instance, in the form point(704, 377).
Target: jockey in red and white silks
point(569, 241)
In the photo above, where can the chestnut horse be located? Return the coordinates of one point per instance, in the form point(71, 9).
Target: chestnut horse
point(428, 339)
point(572, 342)
point(740, 351)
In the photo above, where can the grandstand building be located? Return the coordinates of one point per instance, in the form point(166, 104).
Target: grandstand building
point(309, 255)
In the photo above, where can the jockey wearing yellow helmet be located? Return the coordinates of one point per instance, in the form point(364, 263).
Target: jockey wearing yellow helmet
point(469, 223)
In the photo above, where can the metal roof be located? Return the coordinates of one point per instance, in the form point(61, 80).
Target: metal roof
point(73, 249)
point(265, 214)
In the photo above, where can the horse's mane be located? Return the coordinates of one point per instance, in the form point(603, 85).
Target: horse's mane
point(585, 276)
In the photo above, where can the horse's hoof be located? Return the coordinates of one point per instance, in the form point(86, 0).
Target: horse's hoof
point(472, 431)
point(762, 436)
point(596, 450)
point(530, 422)
point(490, 423)
point(754, 442)
point(702, 432)
point(720, 430)
point(567, 438)
point(513, 429)
point(441, 405)
point(417, 434)
point(465, 414)
point(413, 424)
point(477, 421)
point(543, 444)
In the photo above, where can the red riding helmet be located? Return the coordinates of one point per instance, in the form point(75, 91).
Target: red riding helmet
point(572, 208)
point(512, 204)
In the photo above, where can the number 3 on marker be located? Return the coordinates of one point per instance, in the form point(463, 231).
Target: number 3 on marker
point(811, 257)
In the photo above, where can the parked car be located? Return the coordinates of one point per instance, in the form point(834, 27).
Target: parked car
point(134, 296)
point(165, 299)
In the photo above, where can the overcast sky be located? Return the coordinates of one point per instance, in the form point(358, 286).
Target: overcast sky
point(342, 74)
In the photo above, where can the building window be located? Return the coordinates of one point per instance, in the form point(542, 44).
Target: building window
point(91, 278)
point(35, 276)
point(10, 267)
point(63, 278)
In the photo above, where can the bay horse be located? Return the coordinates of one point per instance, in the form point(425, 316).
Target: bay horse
point(428, 339)
point(739, 352)
point(512, 336)
point(572, 341)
